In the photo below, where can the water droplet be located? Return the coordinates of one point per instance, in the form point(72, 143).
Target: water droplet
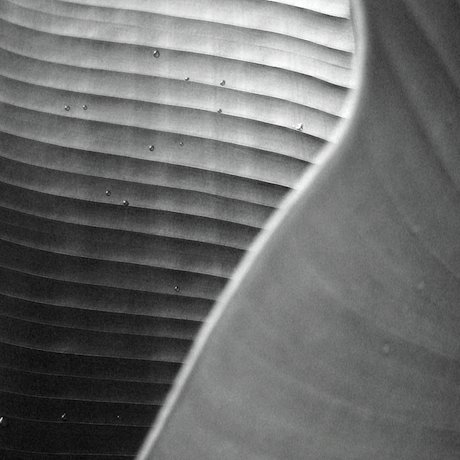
point(151, 148)
point(2, 421)
point(222, 83)
point(219, 111)
point(84, 107)
point(300, 127)
point(125, 203)
point(181, 143)
point(177, 288)
point(187, 78)
point(386, 349)
point(156, 54)
point(64, 417)
point(108, 192)
point(67, 108)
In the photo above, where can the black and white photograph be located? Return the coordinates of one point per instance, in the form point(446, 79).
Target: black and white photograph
point(229, 229)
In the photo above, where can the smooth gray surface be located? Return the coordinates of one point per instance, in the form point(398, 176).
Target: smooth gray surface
point(339, 338)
